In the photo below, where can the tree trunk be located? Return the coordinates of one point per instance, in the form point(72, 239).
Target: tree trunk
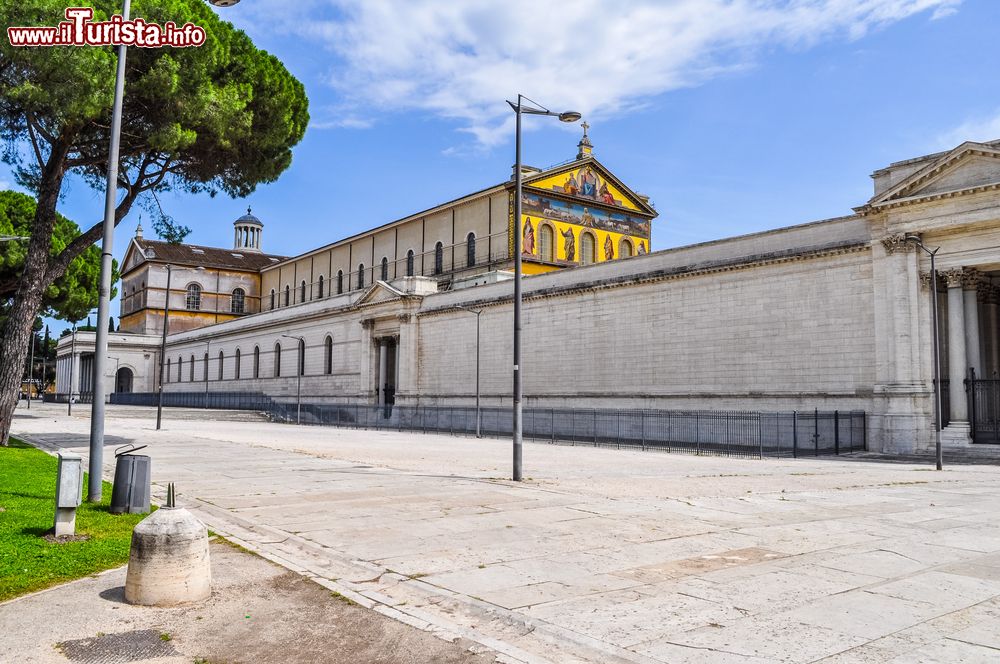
point(16, 332)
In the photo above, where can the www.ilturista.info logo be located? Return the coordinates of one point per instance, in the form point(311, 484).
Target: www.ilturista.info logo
point(79, 30)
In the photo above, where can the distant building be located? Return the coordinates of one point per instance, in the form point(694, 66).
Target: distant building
point(833, 314)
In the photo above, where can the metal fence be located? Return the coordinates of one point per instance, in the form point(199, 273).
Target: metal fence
point(984, 410)
point(749, 434)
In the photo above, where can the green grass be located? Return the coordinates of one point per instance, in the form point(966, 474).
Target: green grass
point(27, 498)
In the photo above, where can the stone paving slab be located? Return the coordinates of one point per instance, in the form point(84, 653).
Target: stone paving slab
point(603, 555)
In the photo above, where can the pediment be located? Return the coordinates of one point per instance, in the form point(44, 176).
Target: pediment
point(133, 258)
point(589, 181)
point(379, 291)
point(968, 167)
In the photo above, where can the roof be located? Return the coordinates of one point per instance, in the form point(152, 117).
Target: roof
point(193, 254)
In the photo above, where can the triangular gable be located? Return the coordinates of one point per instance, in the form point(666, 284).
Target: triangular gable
point(133, 258)
point(378, 292)
point(588, 180)
point(967, 167)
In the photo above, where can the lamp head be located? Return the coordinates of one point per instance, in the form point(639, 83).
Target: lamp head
point(569, 116)
point(223, 3)
point(915, 239)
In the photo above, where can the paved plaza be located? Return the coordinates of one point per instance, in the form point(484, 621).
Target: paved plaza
point(600, 555)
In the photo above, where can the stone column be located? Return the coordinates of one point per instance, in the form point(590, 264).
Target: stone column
point(991, 360)
point(970, 295)
point(957, 353)
point(74, 387)
point(383, 366)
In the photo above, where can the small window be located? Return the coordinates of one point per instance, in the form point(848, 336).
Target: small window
point(340, 282)
point(438, 258)
point(256, 361)
point(385, 269)
point(180, 368)
point(221, 357)
point(587, 248)
point(302, 291)
point(277, 360)
point(625, 249)
point(302, 357)
point(288, 294)
point(237, 303)
point(193, 299)
point(409, 263)
point(166, 374)
point(272, 298)
point(237, 368)
point(191, 370)
point(328, 355)
point(320, 286)
point(547, 243)
point(361, 275)
point(470, 250)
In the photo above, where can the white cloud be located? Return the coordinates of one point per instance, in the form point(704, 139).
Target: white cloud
point(460, 59)
point(984, 128)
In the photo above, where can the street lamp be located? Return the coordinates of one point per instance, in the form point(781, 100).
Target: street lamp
point(915, 239)
point(519, 110)
point(477, 312)
point(299, 368)
point(163, 348)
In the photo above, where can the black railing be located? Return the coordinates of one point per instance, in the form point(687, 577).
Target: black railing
point(984, 410)
point(750, 434)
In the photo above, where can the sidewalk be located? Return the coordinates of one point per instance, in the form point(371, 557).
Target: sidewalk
point(602, 555)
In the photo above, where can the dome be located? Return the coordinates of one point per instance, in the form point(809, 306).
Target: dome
point(248, 218)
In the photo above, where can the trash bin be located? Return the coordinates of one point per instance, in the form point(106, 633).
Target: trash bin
point(131, 488)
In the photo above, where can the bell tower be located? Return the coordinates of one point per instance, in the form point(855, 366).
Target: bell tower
point(247, 233)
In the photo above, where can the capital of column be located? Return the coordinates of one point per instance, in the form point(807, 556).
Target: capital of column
point(955, 278)
point(404, 318)
point(988, 293)
point(894, 243)
point(925, 280)
point(368, 323)
point(971, 279)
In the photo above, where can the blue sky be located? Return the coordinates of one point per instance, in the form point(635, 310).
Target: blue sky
point(733, 115)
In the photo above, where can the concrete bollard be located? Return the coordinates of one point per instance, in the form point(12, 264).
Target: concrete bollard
point(168, 563)
point(69, 493)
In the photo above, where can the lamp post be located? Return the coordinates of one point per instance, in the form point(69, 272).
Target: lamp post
point(915, 239)
point(163, 349)
point(299, 368)
point(519, 110)
point(72, 366)
point(477, 312)
point(31, 365)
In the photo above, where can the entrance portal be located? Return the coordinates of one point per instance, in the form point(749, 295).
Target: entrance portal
point(123, 380)
point(385, 378)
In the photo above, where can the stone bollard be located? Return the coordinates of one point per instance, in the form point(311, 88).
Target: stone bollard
point(168, 563)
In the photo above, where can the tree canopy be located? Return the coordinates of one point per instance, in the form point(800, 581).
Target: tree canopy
point(70, 296)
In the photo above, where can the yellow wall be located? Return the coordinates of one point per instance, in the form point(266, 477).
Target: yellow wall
point(569, 183)
point(559, 240)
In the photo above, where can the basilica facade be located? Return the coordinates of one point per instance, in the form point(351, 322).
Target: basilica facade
point(833, 314)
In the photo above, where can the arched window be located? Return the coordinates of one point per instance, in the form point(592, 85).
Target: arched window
point(438, 258)
point(221, 357)
point(302, 357)
point(193, 299)
point(191, 370)
point(546, 243)
point(166, 374)
point(320, 286)
point(385, 269)
point(256, 361)
point(409, 263)
point(328, 355)
point(340, 282)
point(288, 294)
point(587, 248)
point(237, 303)
point(204, 373)
point(277, 359)
point(237, 369)
point(142, 295)
point(361, 275)
point(180, 368)
point(625, 248)
point(302, 291)
point(470, 250)
point(272, 298)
